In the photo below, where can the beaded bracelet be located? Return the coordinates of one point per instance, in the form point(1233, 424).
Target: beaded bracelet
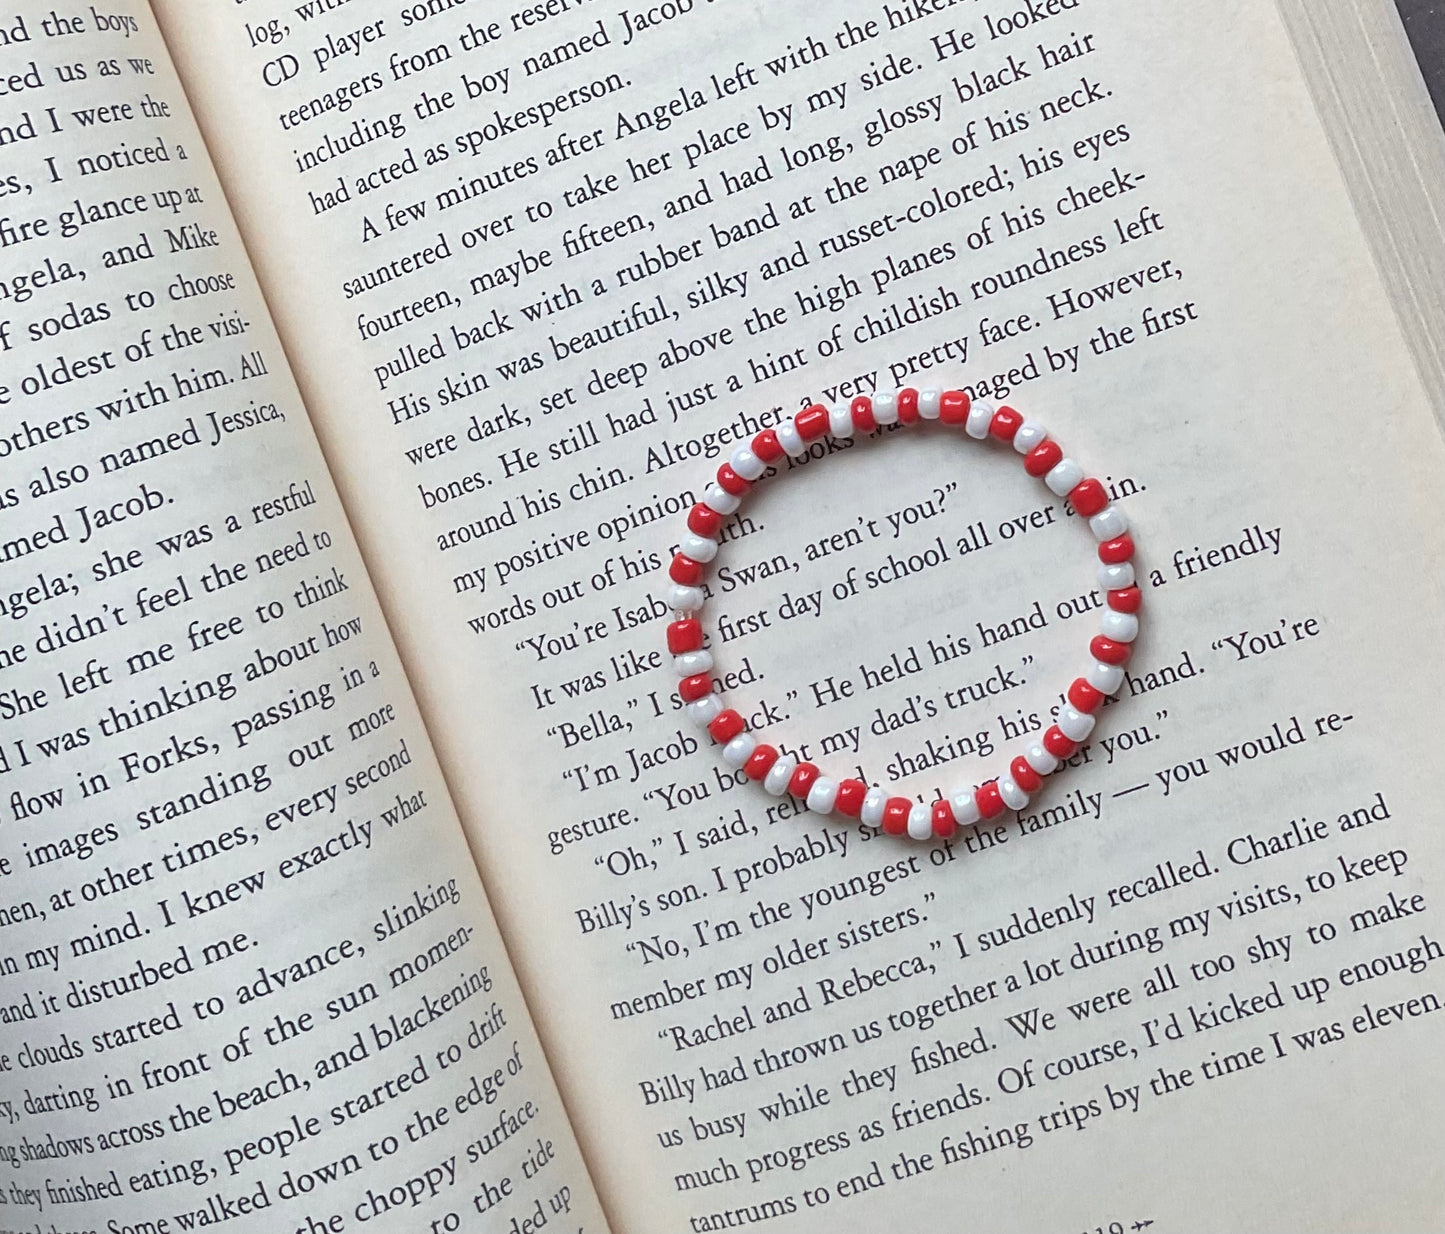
point(875, 805)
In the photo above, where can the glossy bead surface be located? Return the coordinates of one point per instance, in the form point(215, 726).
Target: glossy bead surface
point(1116, 578)
point(789, 438)
point(980, 418)
point(699, 548)
point(1125, 600)
point(685, 635)
point(691, 663)
point(690, 689)
point(730, 482)
point(739, 750)
point(908, 405)
point(1057, 743)
point(760, 762)
point(683, 599)
point(1024, 775)
point(1030, 435)
point(1064, 477)
point(920, 822)
point(1117, 551)
point(930, 402)
point(943, 820)
point(1012, 793)
point(1109, 651)
point(1043, 458)
point(953, 406)
point(1084, 697)
point(766, 447)
point(823, 795)
point(1120, 627)
point(875, 800)
point(1074, 724)
point(840, 421)
point(812, 422)
point(990, 800)
point(726, 725)
point(885, 407)
point(1109, 523)
point(704, 521)
point(850, 797)
point(862, 408)
point(804, 776)
point(747, 464)
point(704, 711)
point(1105, 678)
point(1005, 423)
point(1041, 760)
point(1088, 498)
point(685, 570)
point(965, 808)
point(776, 781)
point(895, 815)
point(715, 497)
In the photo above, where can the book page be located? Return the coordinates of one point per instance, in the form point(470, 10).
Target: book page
point(543, 265)
point(248, 974)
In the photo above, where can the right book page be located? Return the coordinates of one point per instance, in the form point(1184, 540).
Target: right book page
point(539, 267)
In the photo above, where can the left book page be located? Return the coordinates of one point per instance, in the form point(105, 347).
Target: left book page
point(248, 973)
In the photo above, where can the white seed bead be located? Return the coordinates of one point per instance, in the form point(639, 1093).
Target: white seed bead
point(1013, 796)
point(823, 795)
point(705, 710)
point(840, 420)
point(776, 781)
point(719, 500)
point(747, 464)
point(699, 548)
point(965, 808)
point(1064, 477)
point(873, 803)
point(790, 439)
point(1041, 760)
point(1109, 523)
point(684, 599)
point(1031, 433)
point(885, 407)
point(920, 822)
point(929, 402)
point(1075, 724)
point(1116, 578)
point(1121, 627)
point(691, 663)
point(980, 416)
point(739, 749)
point(1105, 678)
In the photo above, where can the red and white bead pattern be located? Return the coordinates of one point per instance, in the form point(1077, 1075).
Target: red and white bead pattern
point(875, 805)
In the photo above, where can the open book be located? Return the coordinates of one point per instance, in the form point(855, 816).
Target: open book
point(359, 869)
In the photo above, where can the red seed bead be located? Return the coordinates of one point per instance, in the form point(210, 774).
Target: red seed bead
point(1058, 743)
point(1043, 458)
point(684, 636)
point(802, 781)
point(812, 422)
point(760, 762)
point(895, 815)
point(726, 725)
point(767, 446)
point(990, 800)
point(690, 689)
point(731, 482)
point(1110, 652)
point(1025, 776)
point(1120, 549)
point(704, 521)
point(1005, 423)
point(1084, 696)
point(1088, 497)
point(908, 405)
point(1126, 600)
point(685, 570)
point(944, 821)
point(953, 406)
point(850, 796)
point(862, 410)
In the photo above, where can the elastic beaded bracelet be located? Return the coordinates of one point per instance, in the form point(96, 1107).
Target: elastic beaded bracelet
point(875, 805)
